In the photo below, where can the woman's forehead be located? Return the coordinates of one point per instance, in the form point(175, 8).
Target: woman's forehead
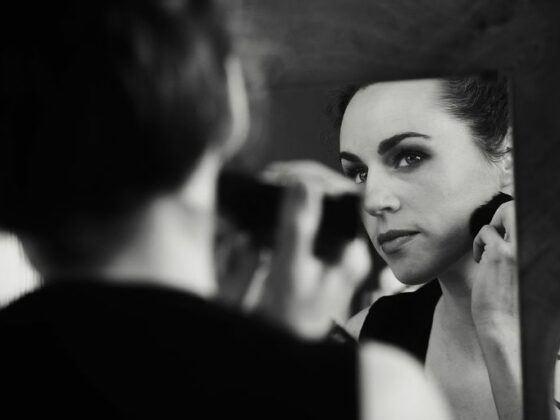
point(384, 109)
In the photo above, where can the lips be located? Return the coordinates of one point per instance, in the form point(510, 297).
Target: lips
point(393, 240)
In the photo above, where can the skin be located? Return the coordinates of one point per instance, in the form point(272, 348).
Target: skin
point(429, 183)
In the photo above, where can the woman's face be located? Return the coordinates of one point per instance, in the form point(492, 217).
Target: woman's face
point(422, 173)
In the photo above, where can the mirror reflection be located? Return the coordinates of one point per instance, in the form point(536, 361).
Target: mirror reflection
point(433, 159)
point(429, 154)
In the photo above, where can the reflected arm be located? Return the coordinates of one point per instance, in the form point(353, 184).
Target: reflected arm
point(501, 349)
point(495, 310)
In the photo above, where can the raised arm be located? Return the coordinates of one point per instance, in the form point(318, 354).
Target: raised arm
point(495, 310)
point(304, 292)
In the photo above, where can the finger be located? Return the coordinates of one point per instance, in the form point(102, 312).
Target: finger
point(288, 171)
point(280, 176)
point(341, 281)
point(336, 293)
point(299, 166)
point(487, 236)
point(255, 289)
point(356, 261)
point(299, 220)
point(504, 221)
point(325, 178)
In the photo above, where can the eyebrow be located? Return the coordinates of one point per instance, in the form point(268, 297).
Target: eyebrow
point(385, 145)
point(349, 157)
point(388, 144)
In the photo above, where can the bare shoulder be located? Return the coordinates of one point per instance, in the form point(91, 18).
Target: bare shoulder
point(354, 324)
point(390, 377)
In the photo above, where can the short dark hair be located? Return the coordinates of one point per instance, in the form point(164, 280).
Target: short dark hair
point(481, 101)
point(105, 104)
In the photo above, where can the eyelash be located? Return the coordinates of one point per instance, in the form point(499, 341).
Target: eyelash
point(394, 160)
point(404, 153)
point(355, 171)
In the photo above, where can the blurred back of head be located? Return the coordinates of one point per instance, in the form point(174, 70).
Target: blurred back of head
point(105, 105)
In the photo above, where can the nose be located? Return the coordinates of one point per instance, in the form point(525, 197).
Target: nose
point(380, 198)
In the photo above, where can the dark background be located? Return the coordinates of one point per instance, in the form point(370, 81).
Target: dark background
point(300, 51)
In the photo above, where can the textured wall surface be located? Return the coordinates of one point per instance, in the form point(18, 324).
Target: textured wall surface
point(307, 47)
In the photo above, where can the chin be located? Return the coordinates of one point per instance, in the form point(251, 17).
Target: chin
point(411, 274)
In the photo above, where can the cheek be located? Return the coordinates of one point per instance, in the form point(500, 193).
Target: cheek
point(441, 211)
point(463, 186)
point(470, 178)
point(447, 218)
point(370, 224)
point(444, 215)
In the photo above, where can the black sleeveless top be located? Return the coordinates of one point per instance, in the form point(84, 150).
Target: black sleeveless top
point(404, 320)
point(86, 349)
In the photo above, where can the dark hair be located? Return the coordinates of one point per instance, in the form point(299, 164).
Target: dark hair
point(105, 104)
point(337, 107)
point(481, 101)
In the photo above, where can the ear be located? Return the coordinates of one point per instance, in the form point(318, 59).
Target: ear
point(506, 165)
point(239, 109)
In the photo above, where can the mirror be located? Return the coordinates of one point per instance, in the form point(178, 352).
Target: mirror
point(429, 153)
point(330, 43)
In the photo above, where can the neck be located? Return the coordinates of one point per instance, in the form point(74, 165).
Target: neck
point(175, 244)
point(168, 251)
point(172, 239)
point(456, 286)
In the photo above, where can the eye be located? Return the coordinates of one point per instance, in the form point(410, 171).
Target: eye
point(361, 176)
point(357, 174)
point(407, 159)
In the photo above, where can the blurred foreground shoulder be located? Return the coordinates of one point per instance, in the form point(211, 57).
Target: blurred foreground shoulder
point(393, 386)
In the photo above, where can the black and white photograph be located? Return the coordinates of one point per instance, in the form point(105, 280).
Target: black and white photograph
point(266, 209)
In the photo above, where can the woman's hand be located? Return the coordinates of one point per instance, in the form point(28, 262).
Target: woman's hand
point(495, 309)
point(303, 292)
point(495, 290)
